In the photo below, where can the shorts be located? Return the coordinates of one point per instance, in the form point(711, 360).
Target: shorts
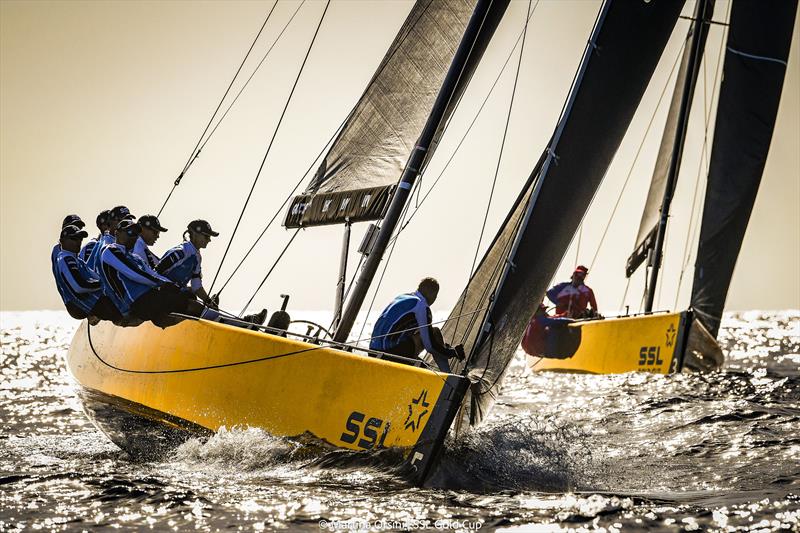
point(104, 309)
point(161, 301)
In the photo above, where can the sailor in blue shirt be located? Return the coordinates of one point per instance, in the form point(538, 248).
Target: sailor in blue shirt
point(102, 222)
point(404, 327)
point(182, 264)
point(116, 215)
point(151, 230)
point(140, 292)
point(80, 289)
point(69, 220)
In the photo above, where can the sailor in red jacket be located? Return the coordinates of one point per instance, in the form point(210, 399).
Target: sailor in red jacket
point(573, 297)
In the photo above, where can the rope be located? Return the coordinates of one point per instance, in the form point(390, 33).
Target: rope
point(499, 157)
point(269, 146)
point(351, 115)
point(285, 201)
point(469, 128)
point(636, 157)
point(195, 152)
point(269, 271)
point(707, 109)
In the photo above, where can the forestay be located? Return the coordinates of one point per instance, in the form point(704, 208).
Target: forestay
point(356, 178)
point(626, 44)
point(759, 38)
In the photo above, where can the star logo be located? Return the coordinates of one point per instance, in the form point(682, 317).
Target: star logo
point(417, 409)
point(670, 335)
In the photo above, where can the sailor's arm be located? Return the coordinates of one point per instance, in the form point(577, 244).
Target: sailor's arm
point(68, 268)
point(431, 342)
point(592, 301)
point(131, 270)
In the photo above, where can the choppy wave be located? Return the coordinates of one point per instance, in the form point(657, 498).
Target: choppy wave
point(634, 451)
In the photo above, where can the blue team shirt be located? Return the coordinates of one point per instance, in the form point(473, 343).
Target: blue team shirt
point(143, 251)
point(77, 284)
point(86, 251)
point(94, 258)
point(125, 277)
point(181, 264)
point(406, 315)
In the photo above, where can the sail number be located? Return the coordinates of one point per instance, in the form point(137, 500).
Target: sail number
point(365, 435)
point(650, 355)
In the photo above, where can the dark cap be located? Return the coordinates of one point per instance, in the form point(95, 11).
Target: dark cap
point(73, 232)
point(151, 221)
point(202, 226)
point(580, 269)
point(130, 227)
point(72, 220)
point(119, 212)
point(103, 218)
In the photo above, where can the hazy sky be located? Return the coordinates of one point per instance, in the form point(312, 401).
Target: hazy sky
point(102, 102)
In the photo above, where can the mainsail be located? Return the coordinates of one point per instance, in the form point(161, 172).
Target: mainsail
point(759, 38)
point(670, 150)
point(508, 285)
point(357, 177)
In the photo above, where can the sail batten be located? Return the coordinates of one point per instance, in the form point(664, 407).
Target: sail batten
point(626, 45)
point(759, 38)
point(360, 171)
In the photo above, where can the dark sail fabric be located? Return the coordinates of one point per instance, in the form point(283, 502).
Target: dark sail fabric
point(759, 38)
point(357, 177)
point(687, 74)
point(627, 42)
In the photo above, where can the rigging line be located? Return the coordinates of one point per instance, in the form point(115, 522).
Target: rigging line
point(350, 284)
point(269, 271)
point(499, 158)
point(695, 220)
point(195, 151)
point(636, 157)
point(578, 246)
point(383, 273)
point(625, 294)
point(351, 115)
point(285, 201)
point(469, 128)
point(269, 147)
point(436, 371)
point(418, 327)
point(247, 82)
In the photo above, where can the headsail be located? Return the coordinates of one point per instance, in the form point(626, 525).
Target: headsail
point(624, 49)
point(758, 44)
point(360, 171)
point(674, 132)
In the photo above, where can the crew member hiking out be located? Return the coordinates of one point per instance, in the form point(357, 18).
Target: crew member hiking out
point(573, 297)
point(151, 230)
point(69, 220)
point(102, 221)
point(183, 265)
point(115, 216)
point(404, 328)
point(79, 287)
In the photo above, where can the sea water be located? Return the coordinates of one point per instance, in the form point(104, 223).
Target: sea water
point(717, 451)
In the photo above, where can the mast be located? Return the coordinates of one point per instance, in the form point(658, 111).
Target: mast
point(702, 9)
point(337, 314)
point(412, 169)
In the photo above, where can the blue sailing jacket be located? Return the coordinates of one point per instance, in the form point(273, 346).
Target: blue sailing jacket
point(94, 258)
point(77, 284)
point(182, 264)
point(125, 277)
point(406, 315)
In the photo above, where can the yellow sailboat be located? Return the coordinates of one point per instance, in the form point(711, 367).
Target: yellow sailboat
point(757, 48)
point(149, 388)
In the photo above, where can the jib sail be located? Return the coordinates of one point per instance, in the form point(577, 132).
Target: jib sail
point(671, 148)
point(510, 282)
point(759, 38)
point(360, 171)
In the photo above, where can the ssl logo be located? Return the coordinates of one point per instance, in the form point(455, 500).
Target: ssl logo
point(370, 431)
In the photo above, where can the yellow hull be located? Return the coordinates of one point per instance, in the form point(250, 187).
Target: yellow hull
point(200, 376)
point(656, 343)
